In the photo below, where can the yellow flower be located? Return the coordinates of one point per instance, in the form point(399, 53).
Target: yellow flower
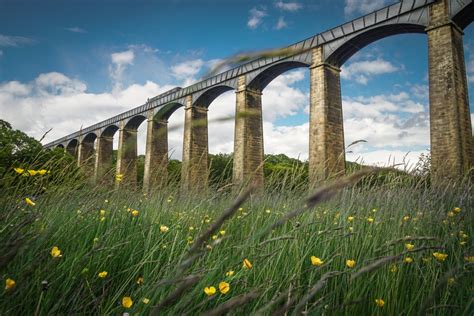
point(32, 172)
point(19, 171)
point(96, 239)
point(222, 232)
point(127, 302)
point(9, 284)
point(55, 252)
point(118, 178)
point(351, 229)
point(42, 172)
point(214, 237)
point(451, 281)
point(145, 300)
point(393, 268)
point(135, 213)
point(379, 302)
point(191, 228)
point(210, 290)
point(103, 274)
point(456, 210)
point(140, 280)
point(164, 229)
point(409, 246)
point(370, 219)
point(247, 264)
point(350, 263)
point(224, 287)
point(30, 202)
point(408, 259)
point(440, 256)
point(469, 258)
point(170, 199)
point(315, 261)
point(229, 273)
point(464, 236)
point(450, 214)
point(350, 218)
point(102, 212)
point(406, 218)
point(374, 210)
point(102, 219)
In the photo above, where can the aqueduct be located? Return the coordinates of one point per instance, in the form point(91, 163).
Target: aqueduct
point(452, 148)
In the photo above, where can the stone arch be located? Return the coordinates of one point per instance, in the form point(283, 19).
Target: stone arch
point(72, 146)
point(465, 16)
point(206, 98)
point(165, 112)
point(265, 77)
point(59, 146)
point(135, 122)
point(109, 131)
point(342, 53)
point(89, 138)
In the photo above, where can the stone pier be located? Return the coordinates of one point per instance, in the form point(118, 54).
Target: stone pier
point(452, 151)
point(248, 137)
point(156, 156)
point(85, 157)
point(194, 170)
point(104, 160)
point(127, 157)
point(326, 132)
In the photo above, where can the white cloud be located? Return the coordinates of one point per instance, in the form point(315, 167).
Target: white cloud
point(187, 70)
point(363, 6)
point(255, 17)
point(363, 71)
point(288, 6)
point(14, 41)
point(120, 61)
point(75, 29)
point(281, 24)
point(388, 158)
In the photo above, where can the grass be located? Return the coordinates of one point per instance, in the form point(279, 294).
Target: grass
point(282, 279)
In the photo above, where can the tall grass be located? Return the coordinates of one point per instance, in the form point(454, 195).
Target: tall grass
point(176, 267)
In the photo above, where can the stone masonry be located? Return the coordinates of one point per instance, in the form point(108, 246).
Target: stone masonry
point(104, 160)
point(326, 133)
point(156, 155)
point(194, 170)
point(450, 123)
point(248, 137)
point(85, 158)
point(127, 157)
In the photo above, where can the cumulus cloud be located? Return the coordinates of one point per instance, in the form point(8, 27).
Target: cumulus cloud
point(120, 61)
point(281, 24)
point(363, 6)
point(186, 71)
point(288, 6)
point(363, 71)
point(75, 29)
point(255, 17)
point(14, 41)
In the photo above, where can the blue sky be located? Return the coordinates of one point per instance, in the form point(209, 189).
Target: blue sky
point(73, 63)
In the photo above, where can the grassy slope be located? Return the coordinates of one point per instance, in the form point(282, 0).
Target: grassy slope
point(129, 247)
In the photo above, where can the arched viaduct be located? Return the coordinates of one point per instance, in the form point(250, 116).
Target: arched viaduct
point(452, 152)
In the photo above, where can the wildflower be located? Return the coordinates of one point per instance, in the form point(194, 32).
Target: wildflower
point(374, 210)
point(170, 199)
point(106, 201)
point(55, 252)
point(9, 284)
point(464, 236)
point(370, 219)
point(440, 256)
point(409, 246)
point(229, 273)
point(210, 290)
point(315, 261)
point(350, 218)
point(32, 172)
point(118, 178)
point(164, 229)
point(450, 214)
point(19, 170)
point(135, 213)
point(351, 229)
point(451, 281)
point(214, 237)
point(145, 300)
point(222, 232)
point(462, 243)
point(30, 202)
point(208, 247)
point(191, 228)
point(379, 302)
point(469, 259)
point(140, 280)
point(96, 239)
point(268, 211)
point(102, 212)
point(456, 210)
point(247, 264)
point(42, 172)
point(406, 218)
point(408, 259)
point(102, 219)
point(103, 274)
point(350, 263)
point(127, 302)
point(224, 287)
point(393, 268)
